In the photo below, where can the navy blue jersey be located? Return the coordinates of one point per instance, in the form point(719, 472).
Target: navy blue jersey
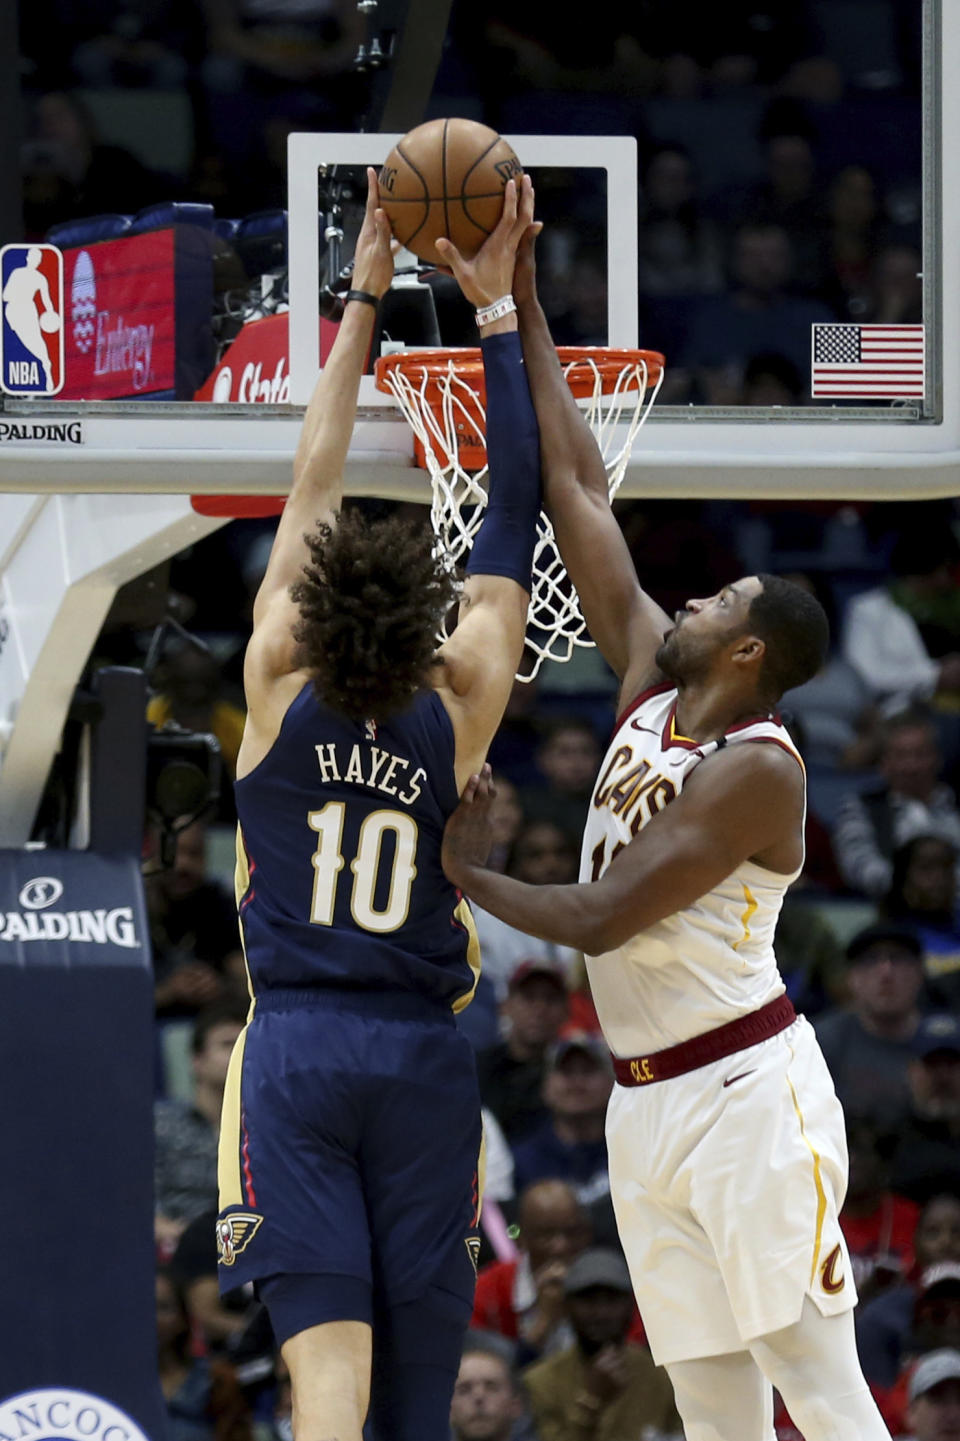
point(339, 882)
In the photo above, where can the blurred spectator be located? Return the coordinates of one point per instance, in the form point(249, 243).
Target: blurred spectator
point(911, 800)
point(868, 1045)
point(680, 250)
point(923, 896)
point(571, 1143)
point(189, 687)
point(877, 1225)
point(604, 1384)
point(933, 1397)
point(678, 548)
point(203, 1400)
point(220, 1321)
point(835, 708)
point(568, 758)
point(771, 379)
point(808, 955)
point(69, 172)
point(541, 855)
point(851, 241)
point(927, 1159)
point(759, 315)
point(936, 1325)
point(523, 1299)
point(194, 931)
point(788, 197)
point(511, 1073)
point(506, 819)
point(887, 630)
point(498, 1181)
point(895, 295)
point(272, 66)
point(185, 1135)
point(883, 1323)
point(487, 1401)
point(135, 43)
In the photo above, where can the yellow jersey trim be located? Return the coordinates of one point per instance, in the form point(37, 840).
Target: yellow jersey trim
point(747, 917)
point(464, 915)
point(229, 1175)
point(817, 1181)
point(241, 884)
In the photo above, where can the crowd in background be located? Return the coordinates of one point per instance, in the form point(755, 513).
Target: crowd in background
point(780, 149)
point(780, 185)
point(868, 945)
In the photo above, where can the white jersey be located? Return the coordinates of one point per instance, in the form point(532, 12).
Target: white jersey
point(712, 962)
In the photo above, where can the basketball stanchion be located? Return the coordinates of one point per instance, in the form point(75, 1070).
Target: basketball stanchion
point(443, 396)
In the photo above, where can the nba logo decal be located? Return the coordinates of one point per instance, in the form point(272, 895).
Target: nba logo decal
point(31, 331)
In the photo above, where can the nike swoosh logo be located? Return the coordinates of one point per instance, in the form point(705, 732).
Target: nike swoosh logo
point(730, 1079)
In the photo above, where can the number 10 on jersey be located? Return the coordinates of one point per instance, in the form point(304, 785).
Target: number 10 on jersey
point(329, 861)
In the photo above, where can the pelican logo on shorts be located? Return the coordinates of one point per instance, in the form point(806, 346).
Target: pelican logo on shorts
point(831, 1282)
point(640, 1071)
point(234, 1234)
point(472, 1244)
point(58, 1414)
point(31, 320)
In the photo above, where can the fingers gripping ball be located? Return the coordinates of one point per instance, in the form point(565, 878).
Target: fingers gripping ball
point(446, 178)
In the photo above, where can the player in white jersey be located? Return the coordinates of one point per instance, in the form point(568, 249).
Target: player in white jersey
point(728, 1162)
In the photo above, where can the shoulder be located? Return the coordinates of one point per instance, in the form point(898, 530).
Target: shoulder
point(765, 761)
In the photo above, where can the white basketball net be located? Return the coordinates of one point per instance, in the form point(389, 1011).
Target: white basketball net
point(554, 621)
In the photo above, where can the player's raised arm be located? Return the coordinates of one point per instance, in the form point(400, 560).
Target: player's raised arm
point(482, 655)
point(625, 623)
point(324, 441)
point(744, 804)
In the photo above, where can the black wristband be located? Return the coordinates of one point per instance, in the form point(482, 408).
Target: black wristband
point(365, 296)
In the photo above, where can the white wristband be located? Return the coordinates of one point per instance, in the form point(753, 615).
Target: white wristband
point(506, 305)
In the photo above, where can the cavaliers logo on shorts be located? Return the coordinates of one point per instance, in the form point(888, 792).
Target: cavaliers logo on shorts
point(832, 1283)
point(234, 1234)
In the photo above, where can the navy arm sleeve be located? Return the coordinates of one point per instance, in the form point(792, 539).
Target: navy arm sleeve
point(507, 536)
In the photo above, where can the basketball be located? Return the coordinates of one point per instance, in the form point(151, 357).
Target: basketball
point(49, 322)
point(446, 178)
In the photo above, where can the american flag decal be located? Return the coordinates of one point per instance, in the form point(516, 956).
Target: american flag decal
point(867, 361)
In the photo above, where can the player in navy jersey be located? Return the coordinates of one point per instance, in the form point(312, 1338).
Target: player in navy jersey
point(349, 1150)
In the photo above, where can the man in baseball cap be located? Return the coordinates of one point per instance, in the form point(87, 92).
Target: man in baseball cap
point(927, 1159)
point(933, 1394)
point(570, 1144)
point(868, 1044)
point(511, 1072)
point(603, 1384)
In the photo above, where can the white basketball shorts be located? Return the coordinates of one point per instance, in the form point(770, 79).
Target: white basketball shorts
point(727, 1183)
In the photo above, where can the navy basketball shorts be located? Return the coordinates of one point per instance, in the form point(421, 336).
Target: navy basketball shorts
point(349, 1154)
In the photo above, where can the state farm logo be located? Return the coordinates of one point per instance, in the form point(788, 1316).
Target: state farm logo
point(83, 302)
point(253, 385)
point(41, 892)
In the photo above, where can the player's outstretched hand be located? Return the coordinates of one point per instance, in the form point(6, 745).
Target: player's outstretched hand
point(469, 832)
point(489, 275)
point(373, 257)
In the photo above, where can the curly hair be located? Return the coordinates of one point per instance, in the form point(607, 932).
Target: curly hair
point(371, 603)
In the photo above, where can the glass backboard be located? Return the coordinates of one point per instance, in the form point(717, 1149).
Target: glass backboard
point(712, 194)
